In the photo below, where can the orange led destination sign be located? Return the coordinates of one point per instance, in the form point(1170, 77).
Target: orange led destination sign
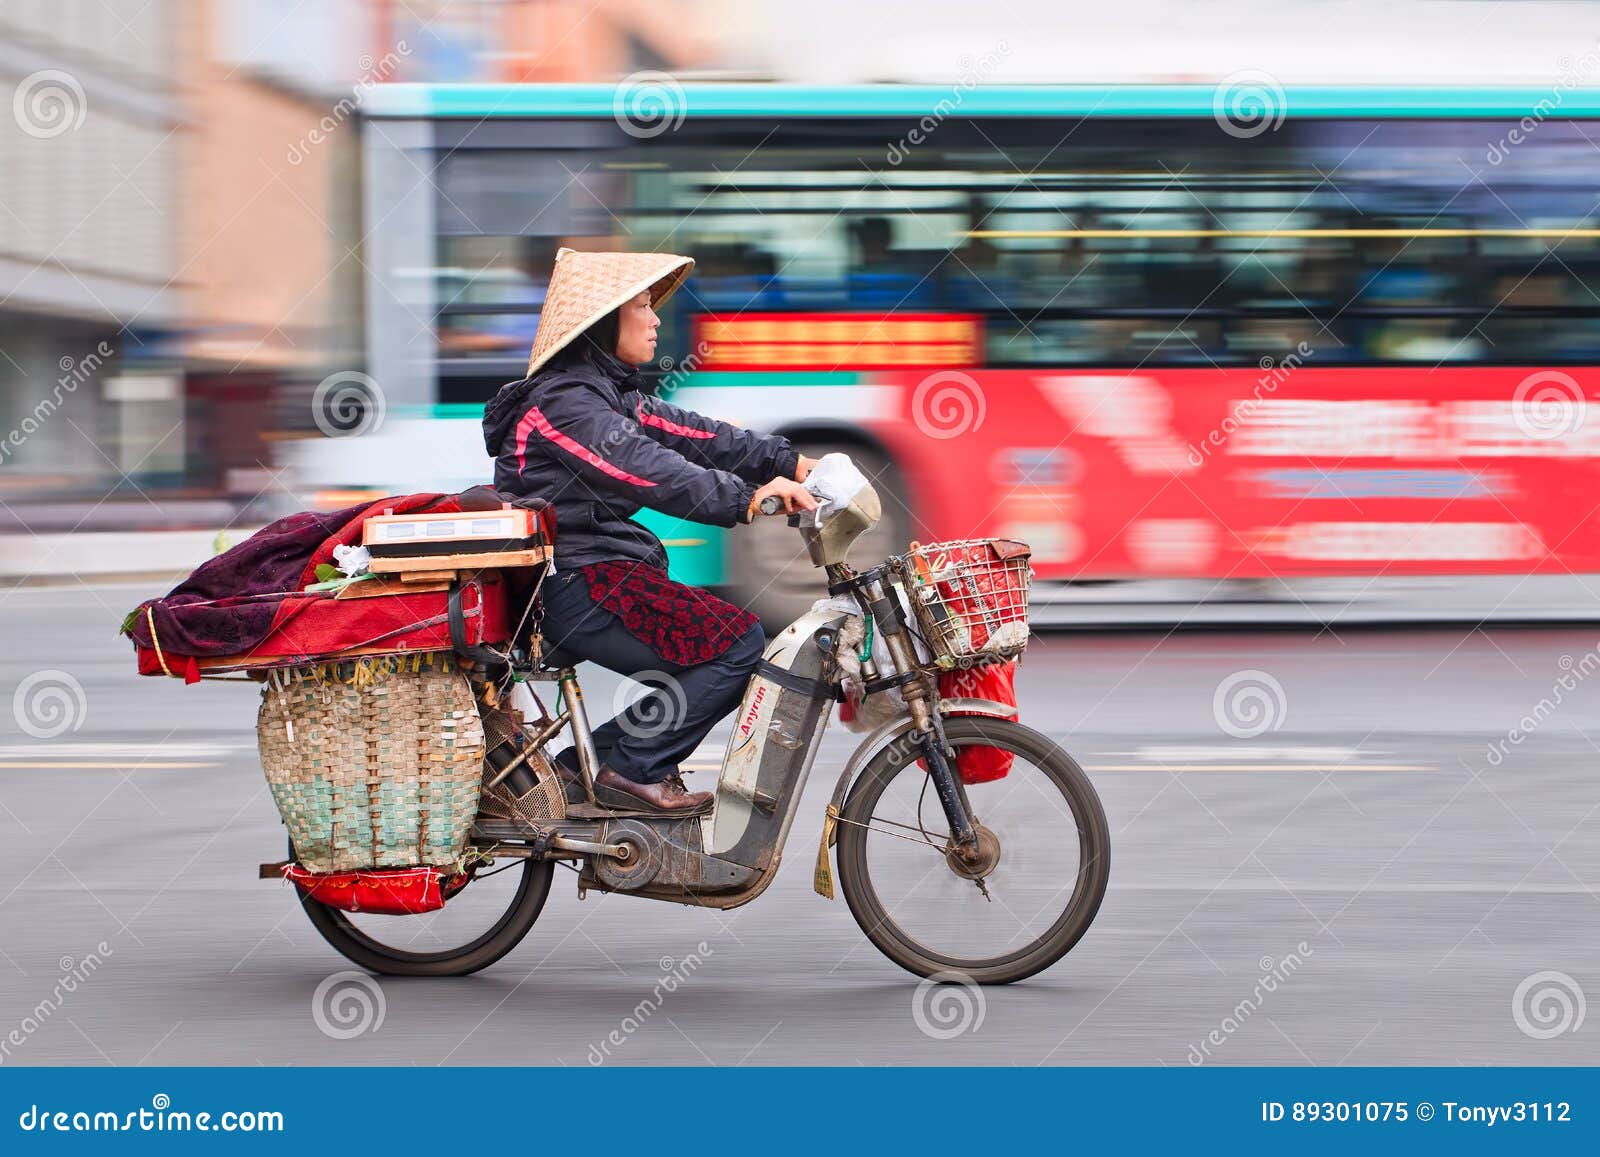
point(836, 341)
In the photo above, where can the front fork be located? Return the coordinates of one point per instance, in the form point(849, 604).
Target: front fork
point(927, 727)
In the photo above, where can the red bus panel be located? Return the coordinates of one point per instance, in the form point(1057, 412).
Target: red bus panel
point(1249, 473)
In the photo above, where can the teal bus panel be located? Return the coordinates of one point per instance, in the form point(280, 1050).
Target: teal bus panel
point(486, 101)
point(694, 550)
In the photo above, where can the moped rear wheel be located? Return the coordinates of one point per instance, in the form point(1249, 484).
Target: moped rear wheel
point(1045, 862)
point(477, 926)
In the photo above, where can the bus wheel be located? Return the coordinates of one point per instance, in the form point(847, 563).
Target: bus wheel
point(768, 569)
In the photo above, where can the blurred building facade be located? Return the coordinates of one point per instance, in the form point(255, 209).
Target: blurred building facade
point(91, 128)
point(270, 196)
point(546, 41)
point(172, 201)
point(182, 234)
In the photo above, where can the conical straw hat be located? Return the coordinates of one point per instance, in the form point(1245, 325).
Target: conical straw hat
point(586, 286)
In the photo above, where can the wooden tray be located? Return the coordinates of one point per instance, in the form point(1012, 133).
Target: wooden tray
point(434, 566)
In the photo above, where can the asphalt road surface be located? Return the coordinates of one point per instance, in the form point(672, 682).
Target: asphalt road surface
point(1401, 867)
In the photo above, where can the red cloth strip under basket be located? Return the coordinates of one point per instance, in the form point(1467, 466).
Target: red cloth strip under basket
point(386, 892)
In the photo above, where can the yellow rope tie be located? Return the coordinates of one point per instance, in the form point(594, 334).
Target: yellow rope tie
point(150, 617)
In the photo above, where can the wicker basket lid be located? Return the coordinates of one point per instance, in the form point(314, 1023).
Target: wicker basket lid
point(584, 287)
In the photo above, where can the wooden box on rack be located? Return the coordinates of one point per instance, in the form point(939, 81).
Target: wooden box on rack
point(434, 547)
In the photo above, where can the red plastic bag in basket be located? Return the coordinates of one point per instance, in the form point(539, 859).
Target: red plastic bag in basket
point(979, 590)
point(996, 681)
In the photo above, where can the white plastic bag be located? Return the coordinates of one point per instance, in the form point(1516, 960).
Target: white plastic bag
point(865, 711)
point(833, 481)
point(352, 560)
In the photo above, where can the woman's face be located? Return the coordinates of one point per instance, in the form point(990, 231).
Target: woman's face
point(636, 330)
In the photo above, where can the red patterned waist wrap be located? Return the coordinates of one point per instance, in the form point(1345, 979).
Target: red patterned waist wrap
point(681, 624)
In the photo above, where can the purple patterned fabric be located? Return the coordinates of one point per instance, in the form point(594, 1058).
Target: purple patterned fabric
point(235, 616)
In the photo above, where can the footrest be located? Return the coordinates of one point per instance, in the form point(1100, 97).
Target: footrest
point(598, 811)
point(490, 831)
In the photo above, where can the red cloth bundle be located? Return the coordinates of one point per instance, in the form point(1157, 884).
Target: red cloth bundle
point(317, 627)
point(248, 608)
point(387, 892)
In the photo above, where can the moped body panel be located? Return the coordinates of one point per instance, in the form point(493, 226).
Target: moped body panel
point(775, 737)
point(728, 857)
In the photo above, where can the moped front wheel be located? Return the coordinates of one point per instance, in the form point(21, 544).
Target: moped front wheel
point(477, 926)
point(1029, 896)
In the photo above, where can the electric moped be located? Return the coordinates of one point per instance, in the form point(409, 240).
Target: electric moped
point(992, 881)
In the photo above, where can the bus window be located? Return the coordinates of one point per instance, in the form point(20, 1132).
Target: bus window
point(1120, 243)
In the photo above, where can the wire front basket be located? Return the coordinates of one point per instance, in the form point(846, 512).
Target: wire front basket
point(970, 598)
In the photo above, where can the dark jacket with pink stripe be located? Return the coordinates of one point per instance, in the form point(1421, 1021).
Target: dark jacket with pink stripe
point(584, 436)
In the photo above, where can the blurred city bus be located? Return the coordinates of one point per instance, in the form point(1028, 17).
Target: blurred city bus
point(1179, 331)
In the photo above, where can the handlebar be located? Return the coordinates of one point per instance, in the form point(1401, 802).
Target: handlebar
point(828, 543)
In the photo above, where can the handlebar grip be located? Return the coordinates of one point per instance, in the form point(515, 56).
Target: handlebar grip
point(771, 504)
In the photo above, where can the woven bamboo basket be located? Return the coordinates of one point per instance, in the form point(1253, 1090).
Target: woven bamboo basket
point(374, 763)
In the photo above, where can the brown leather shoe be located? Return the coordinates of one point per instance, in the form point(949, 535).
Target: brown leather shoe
point(617, 791)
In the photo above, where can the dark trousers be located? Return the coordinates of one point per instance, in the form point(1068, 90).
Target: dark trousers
point(648, 740)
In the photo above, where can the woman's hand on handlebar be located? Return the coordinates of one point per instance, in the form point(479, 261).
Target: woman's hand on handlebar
point(793, 497)
point(803, 468)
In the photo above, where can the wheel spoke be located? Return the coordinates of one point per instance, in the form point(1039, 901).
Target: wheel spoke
point(1014, 906)
point(922, 836)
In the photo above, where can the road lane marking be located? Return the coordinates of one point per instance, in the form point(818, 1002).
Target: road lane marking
point(1328, 768)
point(1191, 768)
point(86, 765)
point(123, 750)
point(1246, 752)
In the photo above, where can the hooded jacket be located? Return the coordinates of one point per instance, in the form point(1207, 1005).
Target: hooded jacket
point(583, 435)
